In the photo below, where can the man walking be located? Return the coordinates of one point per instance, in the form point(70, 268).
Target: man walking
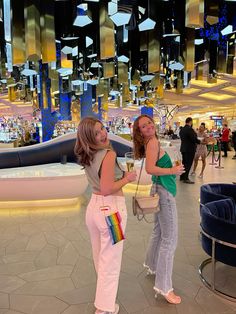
point(225, 139)
point(188, 146)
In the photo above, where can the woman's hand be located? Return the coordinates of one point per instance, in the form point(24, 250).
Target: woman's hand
point(130, 175)
point(177, 169)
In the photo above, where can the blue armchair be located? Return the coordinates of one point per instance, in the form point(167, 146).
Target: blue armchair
point(218, 229)
point(217, 191)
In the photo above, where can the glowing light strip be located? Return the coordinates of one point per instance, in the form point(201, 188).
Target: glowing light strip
point(7, 19)
point(9, 57)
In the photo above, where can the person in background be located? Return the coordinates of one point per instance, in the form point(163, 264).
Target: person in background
point(188, 147)
point(201, 151)
point(225, 140)
point(163, 241)
point(95, 154)
point(234, 143)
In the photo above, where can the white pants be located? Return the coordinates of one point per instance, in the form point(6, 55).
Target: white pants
point(106, 257)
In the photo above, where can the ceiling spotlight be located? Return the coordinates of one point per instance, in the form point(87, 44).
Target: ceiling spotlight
point(146, 25)
point(147, 77)
point(77, 82)
point(82, 20)
point(120, 18)
point(198, 41)
point(141, 10)
point(95, 65)
point(75, 51)
point(123, 59)
point(67, 50)
point(65, 71)
point(92, 55)
point(112, 8)
point(69, 38)
point(176, 66)
point(28, 72)
point(89, 41)
point(227, 30)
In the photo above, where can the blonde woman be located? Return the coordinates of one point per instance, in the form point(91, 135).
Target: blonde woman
point(106, 179)
point(163, 241)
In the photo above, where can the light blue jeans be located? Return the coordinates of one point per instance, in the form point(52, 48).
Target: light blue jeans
point(163, 241)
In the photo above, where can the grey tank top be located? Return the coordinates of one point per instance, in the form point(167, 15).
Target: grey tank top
point(93, 171)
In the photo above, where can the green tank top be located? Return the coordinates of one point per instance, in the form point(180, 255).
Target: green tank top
point(167, 181)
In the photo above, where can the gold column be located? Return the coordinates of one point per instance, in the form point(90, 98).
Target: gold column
point(18, 44)
point(11, 93)
point(107, 36)
point(53, 74)
point(231, 55)
point(199, 71)
point(48, 31)
point(194, 13)
point(190, 50)
point(153, 52)
point(144, 41)
point(3, 66)
point(221, 61)
point(125, 94)
point(108, 69)
point(179, 88)
point(32, 30)
point(122, 73)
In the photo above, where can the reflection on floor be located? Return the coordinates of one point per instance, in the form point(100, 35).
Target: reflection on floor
point(46, 265)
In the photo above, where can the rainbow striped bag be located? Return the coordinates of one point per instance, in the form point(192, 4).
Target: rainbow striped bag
point(113, 221)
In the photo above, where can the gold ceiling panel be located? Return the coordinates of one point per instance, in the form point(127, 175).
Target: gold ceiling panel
point(153, 52)
point(122, 73)
point(190, 50)
point(48, 32)
point(107, 36)
point(18, 44)
point(32, 31)
point(194, 16)
point(108, 69)
point(212, 19)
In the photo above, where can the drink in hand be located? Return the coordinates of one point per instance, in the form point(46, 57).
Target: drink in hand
point(129, 158)
point(178, 162)
point(130, 165)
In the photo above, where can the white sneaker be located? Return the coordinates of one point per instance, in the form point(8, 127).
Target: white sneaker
point(117, 308)
point(193, 173)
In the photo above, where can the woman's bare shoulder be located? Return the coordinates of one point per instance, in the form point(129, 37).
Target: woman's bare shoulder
point(153, 142)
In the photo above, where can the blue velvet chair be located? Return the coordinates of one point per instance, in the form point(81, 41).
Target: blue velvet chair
point(217, 191)
point(218, 230)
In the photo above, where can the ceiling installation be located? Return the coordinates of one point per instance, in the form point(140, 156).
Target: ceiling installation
point(123, 51)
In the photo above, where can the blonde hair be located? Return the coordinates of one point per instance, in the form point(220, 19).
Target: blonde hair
point(138, 140)
point(86, 146)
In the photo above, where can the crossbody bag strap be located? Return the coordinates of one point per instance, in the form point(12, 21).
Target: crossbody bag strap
point(139, 177)
point(158, 156)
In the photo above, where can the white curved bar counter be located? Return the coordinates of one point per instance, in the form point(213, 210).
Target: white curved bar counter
point(42, 182)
